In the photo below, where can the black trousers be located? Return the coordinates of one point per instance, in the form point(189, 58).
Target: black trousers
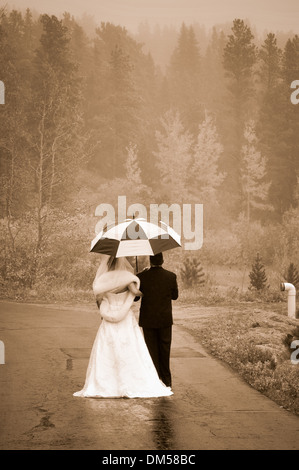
point(158, 341)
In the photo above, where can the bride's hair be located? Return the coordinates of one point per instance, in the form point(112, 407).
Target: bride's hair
point(114, 264)
point(111, 263)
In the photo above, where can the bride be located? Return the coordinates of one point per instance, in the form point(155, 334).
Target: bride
point(120, 364)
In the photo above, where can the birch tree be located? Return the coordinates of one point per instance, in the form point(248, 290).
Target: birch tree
point(205, 175)
point(173, 157)
point(13, 139)
point(54, 129)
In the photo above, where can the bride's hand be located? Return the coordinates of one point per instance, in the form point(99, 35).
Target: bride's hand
point(132, 287)
point(139, 293)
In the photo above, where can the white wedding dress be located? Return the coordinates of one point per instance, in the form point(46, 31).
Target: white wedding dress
point(120, 364)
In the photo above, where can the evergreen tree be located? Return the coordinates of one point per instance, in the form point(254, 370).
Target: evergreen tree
point(185, 58)
point(123, 98)
point(192, 273)
point(270, 58)
point(213, 75)
point(79, 46)
point(255, 188)
point(122, 102)
point(239, 59)
point(291, 275)
point(278, 124)
point(258, 278)
point(290, 71)
point(290, 60)
point(270, 79)
point(184, 79)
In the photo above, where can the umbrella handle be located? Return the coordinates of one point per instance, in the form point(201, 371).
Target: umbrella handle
point(136, 265)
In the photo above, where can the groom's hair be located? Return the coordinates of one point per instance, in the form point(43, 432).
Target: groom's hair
point(157, 260)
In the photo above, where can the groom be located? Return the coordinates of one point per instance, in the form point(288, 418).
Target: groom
point(159, 287)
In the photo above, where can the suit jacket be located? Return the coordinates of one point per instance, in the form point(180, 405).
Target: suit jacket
point(159, 288)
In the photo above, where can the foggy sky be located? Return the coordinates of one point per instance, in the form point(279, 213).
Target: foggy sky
point(267, 15)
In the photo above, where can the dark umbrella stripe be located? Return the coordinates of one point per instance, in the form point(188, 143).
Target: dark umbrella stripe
point(159, 244)
point(106, 246)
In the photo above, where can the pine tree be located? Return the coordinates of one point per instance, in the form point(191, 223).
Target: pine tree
point(255, 188)
point(185, 59)
point(184, 79)
point(116, 114)
point(290, 60)
point(192, 273)
point(292, 275)
point(213, 74)
point(258, 278)
point(278, 125)
point(270, 116)
point(270, 58)
point(239, 58)
point(290, 71)
point(205, 174)
point(123, 103)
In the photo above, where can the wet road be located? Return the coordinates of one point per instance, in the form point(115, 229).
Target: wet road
point(47, 350)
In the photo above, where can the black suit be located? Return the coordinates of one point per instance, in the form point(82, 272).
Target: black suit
point(159, 288)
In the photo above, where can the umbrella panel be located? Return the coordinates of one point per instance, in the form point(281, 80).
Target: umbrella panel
point(135, 238)
point(134, 248)
point(134, 232)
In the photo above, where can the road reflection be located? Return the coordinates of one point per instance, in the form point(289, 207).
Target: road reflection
point(149, 423)
point(163, 433)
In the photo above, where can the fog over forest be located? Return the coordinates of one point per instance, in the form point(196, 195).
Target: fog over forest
point(174, 113)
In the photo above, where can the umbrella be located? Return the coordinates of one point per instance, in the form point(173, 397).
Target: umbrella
point(135, 237)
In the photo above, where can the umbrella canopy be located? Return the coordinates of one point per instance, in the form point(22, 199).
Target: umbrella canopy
point(135, 237)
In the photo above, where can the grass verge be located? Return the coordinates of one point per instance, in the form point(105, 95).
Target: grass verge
point(255, 341)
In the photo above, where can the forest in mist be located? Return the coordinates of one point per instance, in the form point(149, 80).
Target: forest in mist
point(165, 116)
